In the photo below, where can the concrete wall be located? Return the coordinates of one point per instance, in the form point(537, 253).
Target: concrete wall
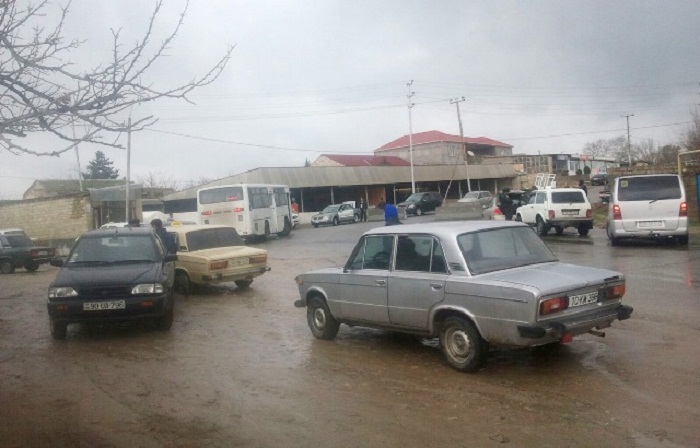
point(53, 221)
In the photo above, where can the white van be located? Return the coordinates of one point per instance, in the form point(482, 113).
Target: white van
point(648, 206)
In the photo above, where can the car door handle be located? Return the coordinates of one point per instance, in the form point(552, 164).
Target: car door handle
point(436, 285)
point(380, 282)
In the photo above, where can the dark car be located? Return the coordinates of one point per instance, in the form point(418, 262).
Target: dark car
point(599, 179)
point(18, 250)
point(419, 203)
point(113, 275)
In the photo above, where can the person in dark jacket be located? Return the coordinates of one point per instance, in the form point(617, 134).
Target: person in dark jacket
point(363, 210)
point(582, 186)
point(505, 203)
point(167, 239)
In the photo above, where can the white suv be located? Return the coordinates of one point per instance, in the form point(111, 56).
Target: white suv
point(559, 208)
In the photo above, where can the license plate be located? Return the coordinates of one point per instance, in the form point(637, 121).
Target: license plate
point(107, 305)
point(43, 252)
point(569, 212)
point(650, 224)
point(583, 299)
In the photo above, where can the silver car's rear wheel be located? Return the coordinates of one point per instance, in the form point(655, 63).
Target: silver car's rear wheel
point(321, 322)
point(462, 345)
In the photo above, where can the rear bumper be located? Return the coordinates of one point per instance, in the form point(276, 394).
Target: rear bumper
point(578, 223)
point(556, 330)
point(221, 277)
point(618, 231)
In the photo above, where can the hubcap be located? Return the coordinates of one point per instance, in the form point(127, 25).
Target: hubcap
point(319, 318)
point(458, 344)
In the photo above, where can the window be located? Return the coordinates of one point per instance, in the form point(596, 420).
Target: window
point(258, 197)
point(217, 195)
point(210, 238)
point(540, 198)
point(373, 252)
point(280, 196)
point(568, 197)
point(419, 253)
point(649, 188)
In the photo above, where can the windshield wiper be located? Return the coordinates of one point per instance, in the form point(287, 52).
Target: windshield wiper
point(91, 262)
point(132, 261)
point(661, 199)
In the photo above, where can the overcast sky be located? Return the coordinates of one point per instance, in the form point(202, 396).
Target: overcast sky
point(312, 77)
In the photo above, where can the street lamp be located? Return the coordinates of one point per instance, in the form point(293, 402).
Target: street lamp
point(466, 166)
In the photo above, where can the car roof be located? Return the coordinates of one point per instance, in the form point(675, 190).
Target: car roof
point(118, 231)
point(444, 229)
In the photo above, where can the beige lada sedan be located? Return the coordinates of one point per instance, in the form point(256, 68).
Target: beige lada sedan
point(473, 284)
point(211, 254)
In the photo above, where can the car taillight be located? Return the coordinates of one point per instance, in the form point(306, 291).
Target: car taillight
point(589, 213)
point(551, 306)
point(206, 213)
point(615, 292)
point(219, 264)
point(258, 259)
point(683, 211)
point(551, 214)
point(617, 213)
point(238, 209)
point(497, 211)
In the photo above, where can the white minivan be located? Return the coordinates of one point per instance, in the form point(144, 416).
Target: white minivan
point(648, 206)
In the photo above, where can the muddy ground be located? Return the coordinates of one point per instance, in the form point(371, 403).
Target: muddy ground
point(240, 368)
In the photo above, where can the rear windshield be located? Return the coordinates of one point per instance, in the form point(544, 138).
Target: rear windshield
point(19, 240)
point(567, 197)
point(224, 194)
point(648, 188)
point(210, 238)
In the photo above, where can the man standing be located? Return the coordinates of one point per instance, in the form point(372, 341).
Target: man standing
point(582, 186)
point(363, 210)
point(167, 239)
point(505, 203)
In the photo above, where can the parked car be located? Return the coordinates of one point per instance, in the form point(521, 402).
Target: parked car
point(295, 220)
point(473, 284)
point(17, 250)
point(557, 208)
point(648, 207)
point(484, 198)
point(110, 275)
point(494, 212)
point(419, 203)
point(336, 214)
point(211, 254)
point(599, 179)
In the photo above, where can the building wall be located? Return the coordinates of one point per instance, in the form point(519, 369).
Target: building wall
point(50, 221)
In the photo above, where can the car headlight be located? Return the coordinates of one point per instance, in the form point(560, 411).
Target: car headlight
point(147, 288)
point(63, 291)
point(411, 206)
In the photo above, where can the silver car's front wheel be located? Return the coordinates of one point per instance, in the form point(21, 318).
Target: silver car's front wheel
point(462, 345)
point(321, 322)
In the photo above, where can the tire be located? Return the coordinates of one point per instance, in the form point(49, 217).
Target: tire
point(419, 211)
point(559, 230)
point(462, 345)
point(321, 322)
point(613, 241)
point(6, 267)
point(683, 240)
point(518, 218)
point(243, 284)
point(542, 229)
point(31, 266)
point(59, 330)
point(583, 231)
point(336, 221)
point(182, 282)
point(165, 322)
point(315, 226)
point(355, 219)
point(287, 228)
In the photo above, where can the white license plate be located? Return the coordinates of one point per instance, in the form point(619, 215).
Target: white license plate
point(583, 299)
point(569, 212)
point(107, 305)
point(650, 224)
point(43, 252)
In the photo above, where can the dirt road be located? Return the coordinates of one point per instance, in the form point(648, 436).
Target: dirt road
point(240, 368)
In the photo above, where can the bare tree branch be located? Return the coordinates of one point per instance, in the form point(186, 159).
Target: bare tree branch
point(41, 91)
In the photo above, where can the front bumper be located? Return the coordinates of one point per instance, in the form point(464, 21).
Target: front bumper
point(576, 326)
point(70, 310)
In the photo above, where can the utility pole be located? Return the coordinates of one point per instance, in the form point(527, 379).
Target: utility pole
point(629, 145)
point(410, 134)
point(128, 169)
point(456, 102)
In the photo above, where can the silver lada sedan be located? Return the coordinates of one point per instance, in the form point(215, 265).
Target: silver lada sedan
point(472, 284)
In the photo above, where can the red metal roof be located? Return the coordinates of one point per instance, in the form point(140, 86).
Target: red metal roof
point(437, 136)
point(362, 160)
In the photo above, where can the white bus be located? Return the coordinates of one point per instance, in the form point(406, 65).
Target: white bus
point(254, 210)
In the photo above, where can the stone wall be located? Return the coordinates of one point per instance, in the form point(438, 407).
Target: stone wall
point(52, 221)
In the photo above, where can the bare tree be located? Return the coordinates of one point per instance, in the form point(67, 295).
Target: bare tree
point(605, 147)
point(646, 151)
point(691, 139)
point(41, 91)
point(157, 180)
